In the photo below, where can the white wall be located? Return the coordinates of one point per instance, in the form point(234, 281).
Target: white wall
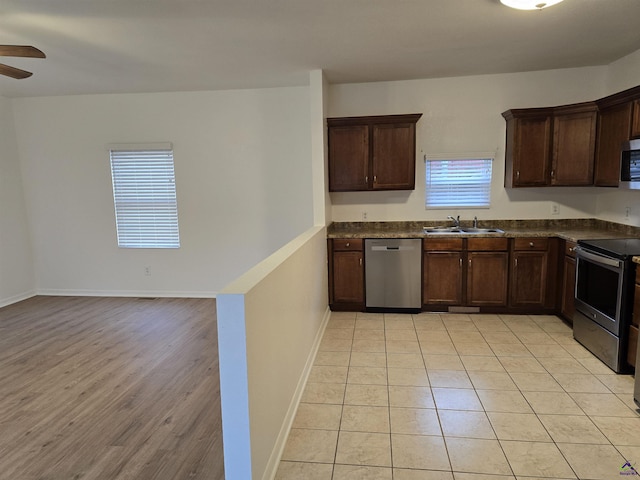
point(243, 178)
point(624, 73)
point(462, 115)
point(16, 264)
point(270, 322)
point(318, 87)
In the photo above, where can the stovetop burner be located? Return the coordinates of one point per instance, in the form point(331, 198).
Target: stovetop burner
point(621, 248)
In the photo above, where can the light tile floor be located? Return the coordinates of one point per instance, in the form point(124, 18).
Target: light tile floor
point(460, 397)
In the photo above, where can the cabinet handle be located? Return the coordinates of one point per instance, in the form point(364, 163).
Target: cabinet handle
point(518, 174)
point(553, 173)
point(460, 262)
point(348, 244)
point(571, 249)
point(360, 261)
point(366, 179)
point(375, 179)
point(516, 263)
point(531, 244)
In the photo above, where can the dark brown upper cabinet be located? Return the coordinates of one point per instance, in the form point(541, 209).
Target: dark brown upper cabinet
point(550, 146)
point(574, 143)
point(618, 121)
point(635, 121)
point(372, 153)
point(528, 147)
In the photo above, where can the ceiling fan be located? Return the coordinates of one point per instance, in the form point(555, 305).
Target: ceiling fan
point(18, 51)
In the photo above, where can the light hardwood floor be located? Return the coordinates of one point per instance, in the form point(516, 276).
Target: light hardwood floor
point(109, 389)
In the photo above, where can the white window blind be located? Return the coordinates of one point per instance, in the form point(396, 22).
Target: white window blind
point(458, 182)
point(144, 193)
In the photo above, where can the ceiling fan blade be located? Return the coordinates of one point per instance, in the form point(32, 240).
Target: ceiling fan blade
point(13, 72)
point(20, 51)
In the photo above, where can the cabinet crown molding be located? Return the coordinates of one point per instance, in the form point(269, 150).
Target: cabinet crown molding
point(373, 120)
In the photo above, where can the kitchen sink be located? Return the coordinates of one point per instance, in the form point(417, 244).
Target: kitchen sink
point(481, 230)
point(442, 230)
point(460, 230)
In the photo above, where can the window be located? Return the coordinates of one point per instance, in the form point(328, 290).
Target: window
point(458, 181)
point(144, 193)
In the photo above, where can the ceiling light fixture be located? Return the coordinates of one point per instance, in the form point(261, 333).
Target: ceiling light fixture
point(529, 4)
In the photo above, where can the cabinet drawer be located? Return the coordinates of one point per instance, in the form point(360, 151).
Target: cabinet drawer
point(487, 244)
point(633, 347)
point(530, 243)
point(347, 244)
point(442, 244)
point(569, 249)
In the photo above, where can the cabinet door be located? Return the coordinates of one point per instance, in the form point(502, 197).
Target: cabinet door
point(574, 137)
point(394, 165)
point(442, 283)
point(532, 140)
point(528, 279)
point(347, 278)
point(635, 121)
point(487, 278)
point(614, 126)
point(348, 158)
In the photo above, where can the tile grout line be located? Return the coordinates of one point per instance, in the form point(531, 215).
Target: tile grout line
point(422, 354)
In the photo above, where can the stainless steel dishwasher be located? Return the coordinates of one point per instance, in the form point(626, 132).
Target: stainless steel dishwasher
point(393, 274)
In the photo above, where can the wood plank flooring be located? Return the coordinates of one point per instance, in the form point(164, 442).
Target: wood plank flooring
point(109, 389)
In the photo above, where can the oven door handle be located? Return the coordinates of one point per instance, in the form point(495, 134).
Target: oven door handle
point(597, 258)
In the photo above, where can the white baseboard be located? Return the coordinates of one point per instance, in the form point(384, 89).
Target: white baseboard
point(16, 298)
point(278, 449)
point(124, 293)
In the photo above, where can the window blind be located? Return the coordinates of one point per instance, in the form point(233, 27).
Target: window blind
point(459, 182)
point(144, 193)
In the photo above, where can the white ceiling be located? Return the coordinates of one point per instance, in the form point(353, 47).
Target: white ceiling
point(127, 46)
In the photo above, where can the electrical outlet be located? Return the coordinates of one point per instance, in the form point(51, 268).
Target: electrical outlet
point(364, 215)
point(627, 210)
point(555, 209)
point(147, 271)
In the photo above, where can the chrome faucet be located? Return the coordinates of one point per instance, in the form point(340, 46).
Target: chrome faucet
point(475, 222)
point(456, 221)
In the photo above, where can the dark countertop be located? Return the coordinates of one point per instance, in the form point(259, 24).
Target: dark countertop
point(568, 229)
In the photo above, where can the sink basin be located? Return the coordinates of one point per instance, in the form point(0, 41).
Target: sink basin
point(482, 230)
point(450, 230)
point(442, 230)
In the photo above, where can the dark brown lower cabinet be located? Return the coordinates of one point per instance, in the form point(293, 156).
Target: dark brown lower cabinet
point(346, 274)
point(487, 279)
point(496, 274)
point(465, 272)
point(567, 307)
point(533, 275)
point(529, 279)
point(443, 266)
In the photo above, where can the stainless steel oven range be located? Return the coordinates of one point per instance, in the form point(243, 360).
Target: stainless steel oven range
point(604, 292)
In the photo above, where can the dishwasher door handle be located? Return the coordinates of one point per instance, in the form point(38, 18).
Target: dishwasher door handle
point(385, 248)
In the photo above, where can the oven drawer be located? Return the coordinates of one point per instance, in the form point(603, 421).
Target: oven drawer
point(602, 343)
